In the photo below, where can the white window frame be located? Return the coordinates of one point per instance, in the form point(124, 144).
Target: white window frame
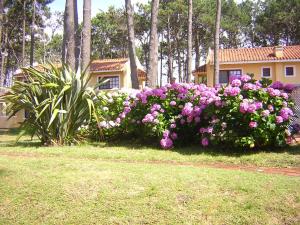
point(294, 69)
point(103, 77)
point(262, 71)
point(4, 111)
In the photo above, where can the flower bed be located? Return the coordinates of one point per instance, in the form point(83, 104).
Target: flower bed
point(246, 113)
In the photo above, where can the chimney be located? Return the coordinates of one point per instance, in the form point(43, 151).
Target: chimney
point(278, 51)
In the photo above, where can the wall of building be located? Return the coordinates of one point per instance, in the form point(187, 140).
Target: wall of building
point(94, 77)
point(277, 71)
point(13, 122)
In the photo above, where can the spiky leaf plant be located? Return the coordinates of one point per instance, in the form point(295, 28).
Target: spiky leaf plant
point(57, 101)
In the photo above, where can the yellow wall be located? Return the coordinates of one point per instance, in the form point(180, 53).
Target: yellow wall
point(277, 71)
point(94, 77)
point(13, 122)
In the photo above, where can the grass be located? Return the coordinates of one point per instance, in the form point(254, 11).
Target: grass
point(94, 184)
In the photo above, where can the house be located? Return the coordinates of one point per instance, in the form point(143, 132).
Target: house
point(276, 63)
point(117, 71)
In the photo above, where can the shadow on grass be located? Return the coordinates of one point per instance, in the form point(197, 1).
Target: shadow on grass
point(194, 149)
point(139, 145)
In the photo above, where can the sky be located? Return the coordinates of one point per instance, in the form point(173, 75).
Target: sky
point(97, 5)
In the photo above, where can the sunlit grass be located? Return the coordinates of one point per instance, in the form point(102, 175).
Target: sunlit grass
point(96, 184)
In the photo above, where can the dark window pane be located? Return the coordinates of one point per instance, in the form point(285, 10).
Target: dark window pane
point(289, 71)
point(266, 72)
point(223, 77)
point(111, 82)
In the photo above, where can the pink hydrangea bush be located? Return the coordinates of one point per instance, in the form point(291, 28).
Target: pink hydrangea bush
point(245, 113)
point(257, 116)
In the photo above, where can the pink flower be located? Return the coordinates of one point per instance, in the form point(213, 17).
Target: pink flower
point(182, 121)
point(234, 91)
point(210, 130)
point(148, 118)
point(204, 141)
point(265, 113)
point(172, 103)
point(245, 78)
point(271, 108)
point(202, 130)
point(166, 133)
point(285, 95)
point(285, 113)
point(258, 105)
point(236, 83)
point(253, 124)
point(244, 107)
point(187, 109)
point(166, 143)
point(173, 125)
point(197, 119)
point(279, 119)
point(174, 136)
point(251, 108)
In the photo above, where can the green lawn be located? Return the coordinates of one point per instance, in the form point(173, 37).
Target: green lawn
point(109, 184)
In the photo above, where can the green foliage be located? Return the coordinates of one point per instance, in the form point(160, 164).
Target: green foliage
point(57, 101)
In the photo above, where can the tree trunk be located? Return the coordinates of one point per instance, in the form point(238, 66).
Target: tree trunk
point(86, 36)
point(197, 50)
point(153, 55)
point(32, 34)
point(216, 42)
point(131, 45)
point(1, 29)
point(77, 37)
point(69, 35)
point(23, 33)
point(161, 60)
point(179, 62)
point(170, 55)
point(190, 43)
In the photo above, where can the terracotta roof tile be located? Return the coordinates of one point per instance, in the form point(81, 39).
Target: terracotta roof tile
point(257, 54)
point(108, 64)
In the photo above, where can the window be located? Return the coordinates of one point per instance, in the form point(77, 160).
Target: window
point(266, 72)
point(289, 71)
point(226, 75)
point(2, 109)
point(111, 82)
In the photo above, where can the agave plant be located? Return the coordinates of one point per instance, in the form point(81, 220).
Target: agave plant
point(57, 102)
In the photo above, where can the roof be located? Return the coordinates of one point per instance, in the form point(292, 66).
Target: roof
point(99, 65)
point(200, 69)
point(108, 64)
point(290, 53)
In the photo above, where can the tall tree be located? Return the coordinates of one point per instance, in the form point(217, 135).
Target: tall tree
point(216, 42)
point(86, 36)
point(69, 36)
point(153, 55)
point(131, 44)
point(24, 33)
point(1, 29)
point(33, 29)
point(77, 36)
point(190, 43)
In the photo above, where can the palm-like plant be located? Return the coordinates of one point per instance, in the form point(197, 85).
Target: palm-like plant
point(57, 101)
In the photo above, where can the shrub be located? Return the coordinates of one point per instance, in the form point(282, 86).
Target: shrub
point(57, 100)
point(246, 113)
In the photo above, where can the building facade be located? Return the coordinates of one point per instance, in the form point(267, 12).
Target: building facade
point(276, 63)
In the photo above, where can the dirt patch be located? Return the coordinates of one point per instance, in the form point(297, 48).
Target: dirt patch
point(293, 171)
